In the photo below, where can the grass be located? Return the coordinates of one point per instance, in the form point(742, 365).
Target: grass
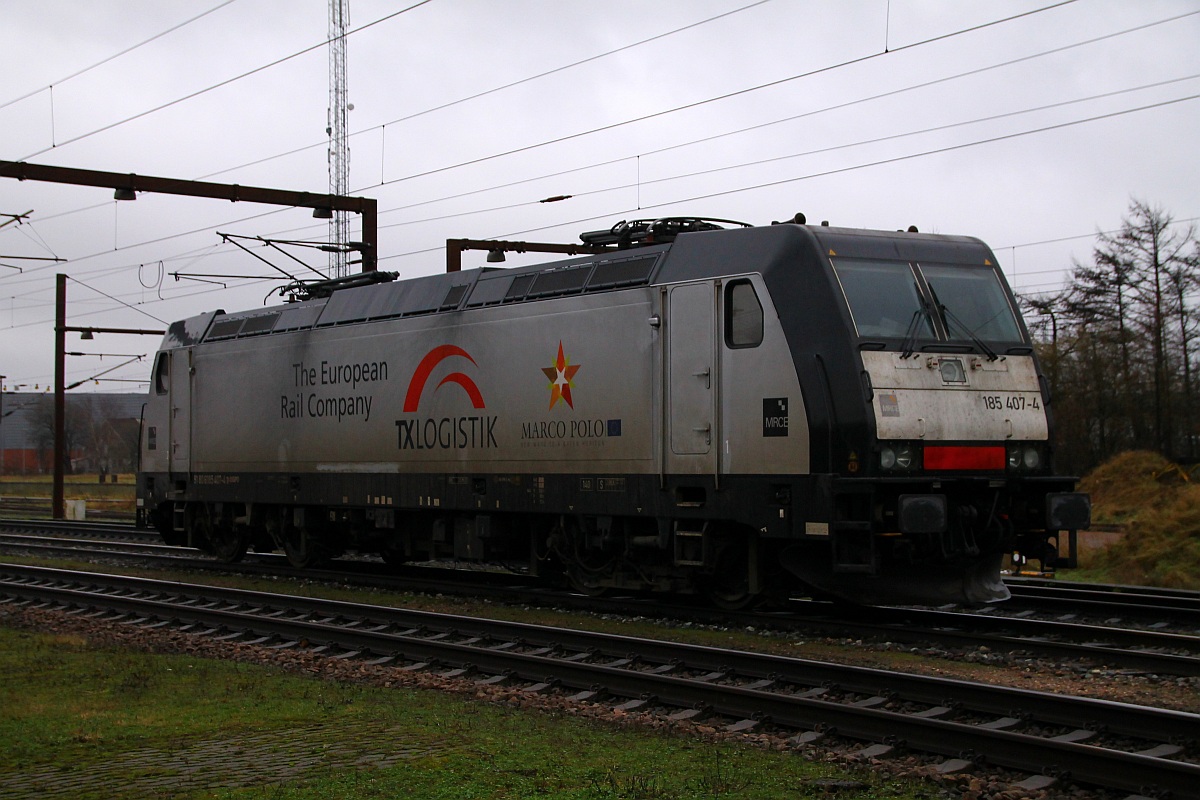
point(1158, 505)
point(91, 712)
point(1127, 485)
point(29, 495)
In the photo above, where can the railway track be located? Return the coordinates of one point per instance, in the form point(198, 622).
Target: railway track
point(1052, 739)
point(1168, 605)
point(1029, 594)
point(1145, 649)
point(104, 531)
point(1042, 595)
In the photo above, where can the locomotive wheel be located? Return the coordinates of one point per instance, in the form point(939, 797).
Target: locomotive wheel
point(226, 541)
point(302, 548)
point(729, 586)
point(566, 540)
point(229, 544)
point(585, 584)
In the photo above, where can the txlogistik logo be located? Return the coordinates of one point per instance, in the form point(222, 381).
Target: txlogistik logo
point(444, 433)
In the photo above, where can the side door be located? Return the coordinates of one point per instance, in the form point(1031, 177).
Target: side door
point(691, 379)
point(179, 419)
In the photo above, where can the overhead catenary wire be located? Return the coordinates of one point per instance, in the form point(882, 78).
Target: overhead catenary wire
point(860, 166)
point(114, 56)
point(935, 151)
point(1092, 40)
point(135, 245)
point(729, 95)
point(500, 88)
point(760, 86)
point(1061, 239)
point(215, 86)
point(877, 140)
point(808, 176)
point(459, 101)
point(115, 300)
point(657, 114)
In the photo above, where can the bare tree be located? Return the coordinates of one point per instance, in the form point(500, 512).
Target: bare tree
point(42, 424)
point(1118, 341)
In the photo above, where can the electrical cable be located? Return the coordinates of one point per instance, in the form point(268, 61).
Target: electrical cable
point(494, 90)
point(839, 106)
point(696, 141)
point(773, 159)
point(127, 305)
point(226, 82)
point(728, 95)
point(743, 189)
point(114, 56)
point(935, 151)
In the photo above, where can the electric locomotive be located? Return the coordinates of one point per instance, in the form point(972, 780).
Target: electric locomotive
point(688, 406)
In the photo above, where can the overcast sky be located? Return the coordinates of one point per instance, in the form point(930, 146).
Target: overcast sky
point(1028, 124)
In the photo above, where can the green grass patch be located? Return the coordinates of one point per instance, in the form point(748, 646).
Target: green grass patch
point(125, 724)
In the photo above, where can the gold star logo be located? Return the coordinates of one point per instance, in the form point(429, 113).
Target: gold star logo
point(560, 376)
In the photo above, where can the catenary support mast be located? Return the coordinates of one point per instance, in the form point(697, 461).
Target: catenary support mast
point(339, 151)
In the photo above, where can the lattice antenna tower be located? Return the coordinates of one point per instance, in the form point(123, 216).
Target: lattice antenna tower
point(339, 150)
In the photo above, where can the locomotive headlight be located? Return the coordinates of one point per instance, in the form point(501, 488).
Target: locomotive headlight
point(1025, 457)
point(952, 371)
point(897, 457)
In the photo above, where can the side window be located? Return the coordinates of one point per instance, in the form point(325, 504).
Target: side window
point(162, 374)
point(743, 315)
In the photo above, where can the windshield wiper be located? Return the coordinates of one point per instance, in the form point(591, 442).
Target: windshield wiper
point(947, 314)
point(910, 335)
point(914, 326)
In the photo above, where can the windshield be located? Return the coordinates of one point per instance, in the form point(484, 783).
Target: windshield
point(972, 302)
point(883, 298)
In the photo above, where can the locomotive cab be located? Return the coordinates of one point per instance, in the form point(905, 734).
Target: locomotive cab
point(955, 465)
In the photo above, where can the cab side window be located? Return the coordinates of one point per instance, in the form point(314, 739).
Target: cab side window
point(743, 315)
point(162, 374)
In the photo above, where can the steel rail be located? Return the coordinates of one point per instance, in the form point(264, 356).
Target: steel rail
point(63, 546)
point(1151, 651)
point(1075, 596)
point(78, 528)
point(1018, 633)
point(668, 672)
point(1178, 604)
point(1121, 588)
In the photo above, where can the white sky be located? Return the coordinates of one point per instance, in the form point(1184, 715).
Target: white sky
point(860, 70)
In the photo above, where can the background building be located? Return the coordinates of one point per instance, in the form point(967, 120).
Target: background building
point(101, 429)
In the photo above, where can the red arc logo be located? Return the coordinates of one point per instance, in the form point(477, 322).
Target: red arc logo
point(560, 376)
point(437, 355)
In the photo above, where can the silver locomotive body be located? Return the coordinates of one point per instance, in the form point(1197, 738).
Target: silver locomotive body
point(739, 412)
